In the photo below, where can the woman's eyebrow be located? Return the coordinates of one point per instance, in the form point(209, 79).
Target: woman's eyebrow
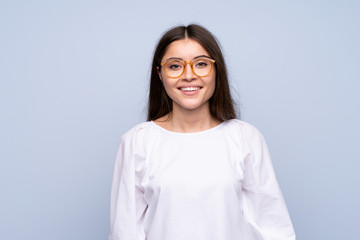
point(177, 58)
point(200, 56)
point(174, 58)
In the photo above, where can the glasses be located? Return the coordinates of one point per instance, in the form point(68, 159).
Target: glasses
point(175, 68)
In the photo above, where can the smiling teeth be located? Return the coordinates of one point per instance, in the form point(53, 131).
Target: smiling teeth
point(188, 89)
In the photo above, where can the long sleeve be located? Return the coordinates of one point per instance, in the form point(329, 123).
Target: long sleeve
point(264, 208)
point(127, 203)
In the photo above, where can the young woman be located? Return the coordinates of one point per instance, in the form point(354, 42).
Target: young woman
point(193, 171)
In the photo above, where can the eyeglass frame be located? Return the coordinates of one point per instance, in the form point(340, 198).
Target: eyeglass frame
point(212, 61)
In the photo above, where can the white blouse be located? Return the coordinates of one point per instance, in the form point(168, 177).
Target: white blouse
point(217, 184)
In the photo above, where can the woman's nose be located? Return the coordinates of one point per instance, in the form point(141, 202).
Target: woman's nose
point(188, 73)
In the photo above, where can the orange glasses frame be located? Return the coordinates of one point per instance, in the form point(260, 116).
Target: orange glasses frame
point(191, 66)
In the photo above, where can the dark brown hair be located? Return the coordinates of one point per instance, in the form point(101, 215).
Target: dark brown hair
point(221, 103)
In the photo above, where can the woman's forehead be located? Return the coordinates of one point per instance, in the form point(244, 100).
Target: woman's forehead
point(186, 49)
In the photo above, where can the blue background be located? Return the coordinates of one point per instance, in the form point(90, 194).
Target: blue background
point(74, 77)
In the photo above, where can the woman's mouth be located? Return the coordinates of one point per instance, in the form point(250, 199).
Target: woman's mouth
point(189, 89)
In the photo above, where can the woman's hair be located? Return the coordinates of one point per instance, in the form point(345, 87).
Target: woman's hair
point(221, 103)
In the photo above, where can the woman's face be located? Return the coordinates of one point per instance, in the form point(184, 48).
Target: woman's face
point(188, 91)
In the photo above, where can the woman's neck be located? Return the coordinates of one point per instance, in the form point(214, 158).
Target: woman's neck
point(187, 121)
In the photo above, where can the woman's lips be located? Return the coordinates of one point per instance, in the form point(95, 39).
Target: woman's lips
point(190, 90)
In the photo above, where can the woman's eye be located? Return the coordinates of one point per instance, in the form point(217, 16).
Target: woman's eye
point(201, 64)
point(175, 66)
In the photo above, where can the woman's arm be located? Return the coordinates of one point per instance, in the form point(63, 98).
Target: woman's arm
point(127, 203)
point(264, 207)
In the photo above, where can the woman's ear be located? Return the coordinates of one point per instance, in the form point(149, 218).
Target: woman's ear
point(159, 72)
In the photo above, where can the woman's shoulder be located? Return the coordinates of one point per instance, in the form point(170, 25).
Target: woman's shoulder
point(136, 139)
point(244, 129)
point(139, 131)
point(242, 125)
